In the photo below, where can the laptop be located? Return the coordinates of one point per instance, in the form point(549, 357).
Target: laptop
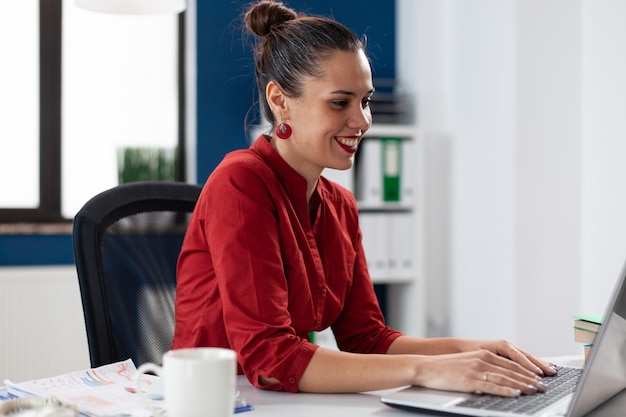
point(600, 385)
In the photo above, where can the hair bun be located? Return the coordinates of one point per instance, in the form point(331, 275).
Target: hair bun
point(263, 16)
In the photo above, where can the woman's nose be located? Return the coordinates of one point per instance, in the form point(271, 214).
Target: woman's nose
point(361, 119)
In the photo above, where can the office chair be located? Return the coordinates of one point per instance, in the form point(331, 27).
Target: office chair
point(126, 245)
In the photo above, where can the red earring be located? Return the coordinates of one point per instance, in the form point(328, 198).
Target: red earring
point(283, 131)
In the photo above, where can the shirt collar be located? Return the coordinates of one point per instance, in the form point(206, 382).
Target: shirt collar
point(294, 183)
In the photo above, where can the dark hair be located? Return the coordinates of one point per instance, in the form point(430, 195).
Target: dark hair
point(293, 46)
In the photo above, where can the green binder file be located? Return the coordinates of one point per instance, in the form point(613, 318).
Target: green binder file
point(392, 166)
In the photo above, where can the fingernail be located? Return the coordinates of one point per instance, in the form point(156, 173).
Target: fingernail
point(542, 386)
point(516, 392)
point(552, 370)
point(539, 371)
point(532, 388)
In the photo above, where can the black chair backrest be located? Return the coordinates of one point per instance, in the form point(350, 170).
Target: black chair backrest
point(126, 245)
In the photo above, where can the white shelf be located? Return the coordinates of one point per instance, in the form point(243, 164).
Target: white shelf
point(388, 129)
point(406, 289)
point(391, 280)
point(388, 207)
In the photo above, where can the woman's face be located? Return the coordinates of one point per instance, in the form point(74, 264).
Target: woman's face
point(331, 116)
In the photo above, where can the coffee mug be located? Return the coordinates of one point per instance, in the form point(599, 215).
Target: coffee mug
point(197, 382)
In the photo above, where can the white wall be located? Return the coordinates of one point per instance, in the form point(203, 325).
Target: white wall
point(41, 323)
point(548, 175)
point(521, 105)
point(604, 146)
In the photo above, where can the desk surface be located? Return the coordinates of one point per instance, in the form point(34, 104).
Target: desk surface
point(278, 404)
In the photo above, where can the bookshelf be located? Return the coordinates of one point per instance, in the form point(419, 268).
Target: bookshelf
point(392, 230)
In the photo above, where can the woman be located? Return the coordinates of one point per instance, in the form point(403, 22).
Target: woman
point(274, 251)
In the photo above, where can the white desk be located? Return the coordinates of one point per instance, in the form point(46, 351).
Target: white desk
point(282, 404)
point(279, 404)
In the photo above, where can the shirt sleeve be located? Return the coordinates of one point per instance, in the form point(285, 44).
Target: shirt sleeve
point(241, 229)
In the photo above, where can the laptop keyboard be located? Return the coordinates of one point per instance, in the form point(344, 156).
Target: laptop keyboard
point(558, 387)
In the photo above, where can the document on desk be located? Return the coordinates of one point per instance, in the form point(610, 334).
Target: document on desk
point(104, 391)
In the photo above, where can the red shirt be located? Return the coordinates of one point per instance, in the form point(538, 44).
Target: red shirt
point(254, 276)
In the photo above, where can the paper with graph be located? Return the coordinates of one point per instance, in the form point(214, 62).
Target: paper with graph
point(106, 391)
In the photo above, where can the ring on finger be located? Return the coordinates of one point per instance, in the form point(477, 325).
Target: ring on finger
point(486, 376)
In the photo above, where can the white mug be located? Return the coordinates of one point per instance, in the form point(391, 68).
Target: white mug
point(197, 382)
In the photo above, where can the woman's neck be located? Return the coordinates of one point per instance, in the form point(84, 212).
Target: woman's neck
point(311, 177)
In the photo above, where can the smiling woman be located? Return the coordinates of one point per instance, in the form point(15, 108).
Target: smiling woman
point(330, 116)
point(274, 250)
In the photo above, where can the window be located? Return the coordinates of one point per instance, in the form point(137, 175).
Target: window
point(120, 81)
point(30, 167)
point(20, 85)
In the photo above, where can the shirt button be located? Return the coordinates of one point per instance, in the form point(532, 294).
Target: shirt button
point(291, 380)
point(323, 291)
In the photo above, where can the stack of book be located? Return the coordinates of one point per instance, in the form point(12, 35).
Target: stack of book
point(586, 327)
point(391, 104)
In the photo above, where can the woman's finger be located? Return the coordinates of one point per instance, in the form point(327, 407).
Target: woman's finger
point(526, 360)
point(510, 380)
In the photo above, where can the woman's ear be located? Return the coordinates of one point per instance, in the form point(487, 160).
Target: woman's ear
point(277, 100)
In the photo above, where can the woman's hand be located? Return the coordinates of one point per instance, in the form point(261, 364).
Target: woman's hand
point(483, 370)
point(488, 366)
point(451, 364)
point(508, 350)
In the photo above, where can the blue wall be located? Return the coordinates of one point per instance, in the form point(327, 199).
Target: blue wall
point(16, 250)
point(226, 87)
point(226, 92)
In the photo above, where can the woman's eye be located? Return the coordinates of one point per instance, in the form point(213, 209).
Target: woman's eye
point(365, 103)
point(340, 103)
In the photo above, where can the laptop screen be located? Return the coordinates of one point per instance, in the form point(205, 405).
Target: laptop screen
point(605, 375)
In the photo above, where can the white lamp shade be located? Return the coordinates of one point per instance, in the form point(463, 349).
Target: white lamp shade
point(133, 6)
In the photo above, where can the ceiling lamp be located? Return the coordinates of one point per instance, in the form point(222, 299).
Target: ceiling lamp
point(133, 6)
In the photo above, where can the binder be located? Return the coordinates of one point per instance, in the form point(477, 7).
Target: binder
point(408, 176)
point(401, 246)
point(384, 179)
point(375, 229)
point(369, 173)
point(389, 245)
point(392, 166)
